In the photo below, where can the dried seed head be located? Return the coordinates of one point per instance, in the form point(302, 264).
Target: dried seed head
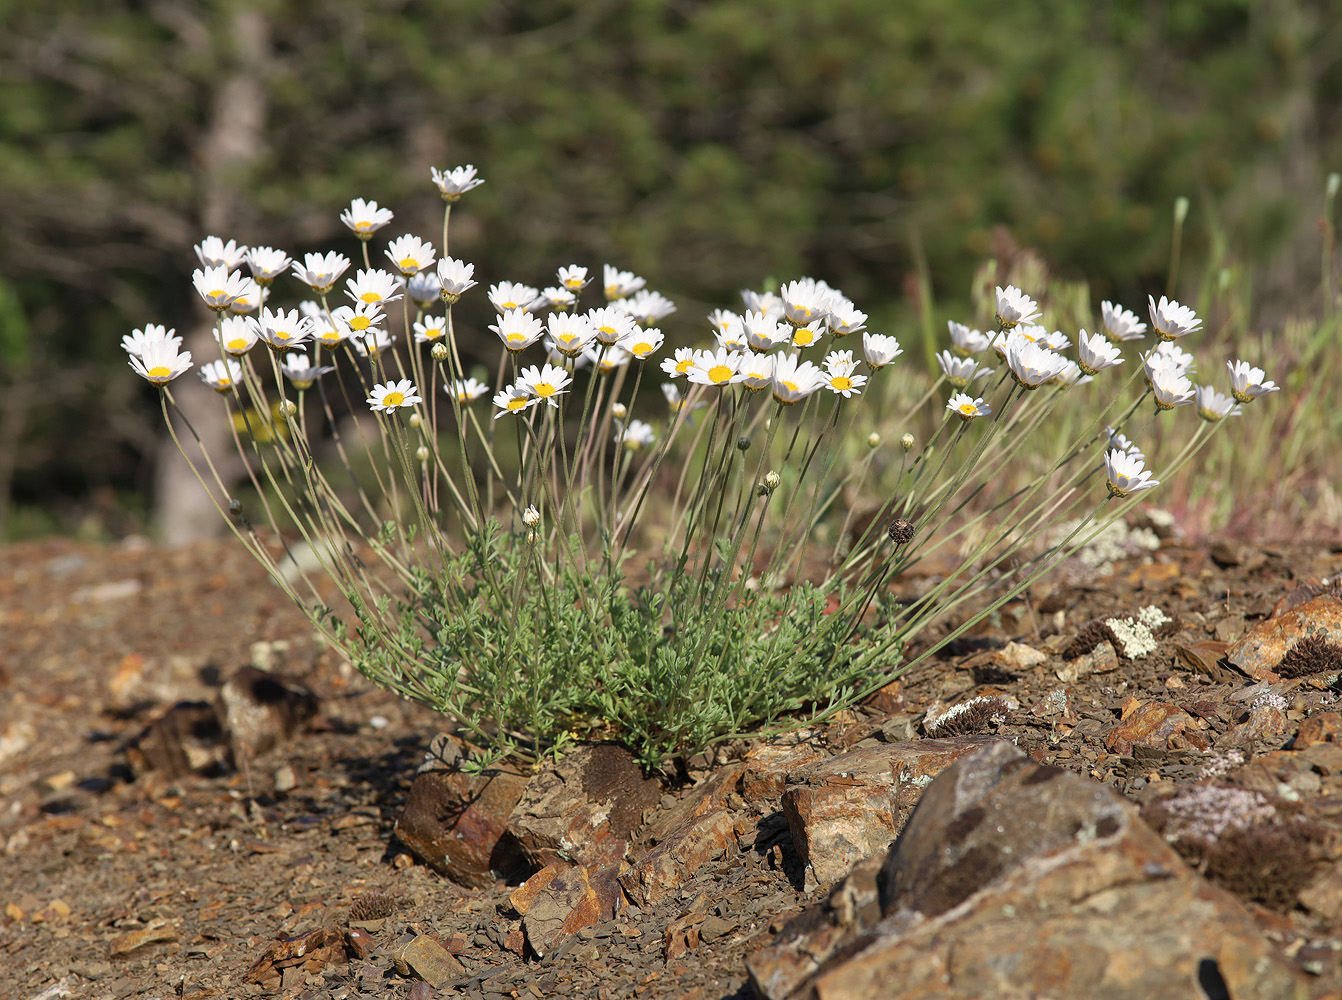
point(902, 531)
point(372, 906)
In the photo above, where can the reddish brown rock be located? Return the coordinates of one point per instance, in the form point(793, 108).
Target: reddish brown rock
point(1323, 727)
point(1261, 649)
point(304, 954)
point(584, 809)
point(1013, 879)
point(698, 829)
point(846, 808)
point(131, 941)
point(768, 765)
point(556, 903)
point(429, 960)
point(456, 822)
point(1148, 725)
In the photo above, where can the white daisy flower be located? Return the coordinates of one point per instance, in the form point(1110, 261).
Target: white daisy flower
point(283, 330)
point(794, 379)
point(722, 319)
point(642, 344)
point(248, 299)
point(808, 335)
point(1126, 473)
point(636, 436)
point(880, 349)
point(214, 252)
point(467, 391)
point(720, 367)
point(1121, 324)
point(574, 278)
point(236, 335)
point(134, 342)
point(764, 331)
point(1121, 442)
point(160, 361)
point(514, 399)
point(547, 382)
point(967, 407)
point(221, 375)
point(1246, 382)
point(569, 334)
point(512, 295)
point(681, 363)
point(267, 263)
point(410, 254)
point(805, 301)
point(557, 298)
point(374, 287)
point(327, 330)
point(840, 374)
point(1213, 405)
point(1096, 354)
point(1056, 341)
point(359, 319)
point(1032, 365)
point(1171, 320)
point(518, 329)
point(430, 329)
point(611, 358)
point(762, 302)
point(302, 372)
point(452, 184)
point(732, 337)
point(757, 371)
point(966, 341)
point(1014, 307)
point(1170, 386)
point(845, 318)
point(320, 271)
point(364, 218)
point(960, 372)
point(611, 324)
point(455, 278)
point(219, 287)
point(619, 284)
point(425, 289)
point(646, 306)
point(385, 398)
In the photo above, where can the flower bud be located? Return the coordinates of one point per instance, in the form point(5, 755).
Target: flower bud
point(873, 440)
point(422, 453)
point(438, 352)
point(289, 408)
point(906, 442)
point(619, 411)
point(1180, 210)
point(772, 481)
point(743, 443)
point(415, 420)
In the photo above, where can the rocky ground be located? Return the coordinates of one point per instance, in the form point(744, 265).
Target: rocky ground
point(1179, 794)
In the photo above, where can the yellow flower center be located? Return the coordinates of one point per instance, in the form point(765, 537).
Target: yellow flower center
point(159, 371)
point(281, 334)
point(237, 344)
point(408, 264)
point(370, 297)
point(607, 333)
point(841, 382)
point(360, 323)
point(804, 338)
point(217, 294)
point(516, 338)
point(720, 373)
point(543, 389)
point(968, 409)
point(790, 386)
point(510, 305)
point(393, 399)
point(517, 403)
point(641, 350)
point(683, 366)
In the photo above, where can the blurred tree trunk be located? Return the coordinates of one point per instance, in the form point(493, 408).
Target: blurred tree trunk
point(230, 146)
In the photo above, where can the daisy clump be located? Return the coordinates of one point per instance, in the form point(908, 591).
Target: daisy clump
point(477, 490)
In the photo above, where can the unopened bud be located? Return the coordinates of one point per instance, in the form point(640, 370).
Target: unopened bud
point(772, 481)
point(422, 453)
point(873, 440)
point(619, 411)
point(743, 443)
point(906, 442)
point(438, 352)
point(289, 408)
point(1180, 210)
point(415, 420)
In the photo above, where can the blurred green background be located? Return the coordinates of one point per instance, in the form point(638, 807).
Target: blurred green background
point(710, 146)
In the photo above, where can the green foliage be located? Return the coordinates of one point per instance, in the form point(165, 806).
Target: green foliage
point(535, 661)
